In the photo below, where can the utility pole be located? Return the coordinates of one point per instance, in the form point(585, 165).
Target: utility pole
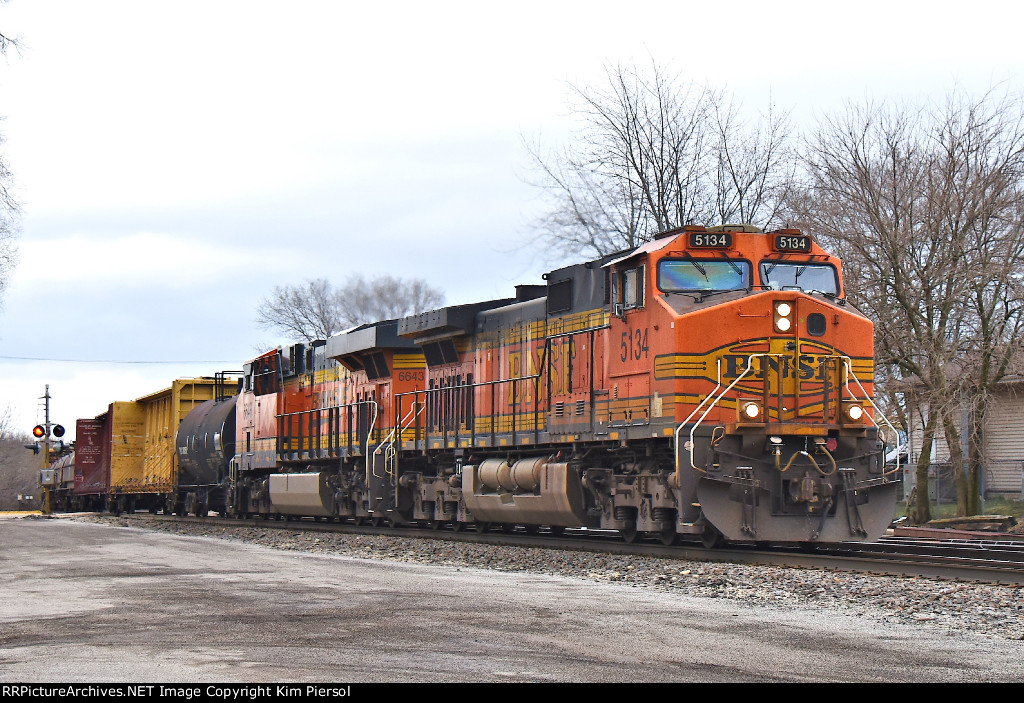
point(47, 495)
point(46, 415)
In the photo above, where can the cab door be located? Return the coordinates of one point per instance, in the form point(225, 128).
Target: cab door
point(629, 355)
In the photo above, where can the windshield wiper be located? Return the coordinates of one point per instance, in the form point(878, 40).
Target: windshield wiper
point(707, 294)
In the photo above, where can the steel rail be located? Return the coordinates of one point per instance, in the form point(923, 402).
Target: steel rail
point(919, 558)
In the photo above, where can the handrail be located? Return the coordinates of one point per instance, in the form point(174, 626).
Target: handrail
point(714, 400)
point(390, 453)
point(690, 417)
point(426, 392)
point(369, 434)
point(315, 411)
point(748, 369)
point(848, 366)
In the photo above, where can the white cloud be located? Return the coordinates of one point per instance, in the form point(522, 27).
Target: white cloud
point(139, 260)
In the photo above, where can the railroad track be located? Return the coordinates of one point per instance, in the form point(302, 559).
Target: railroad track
point(996, 559)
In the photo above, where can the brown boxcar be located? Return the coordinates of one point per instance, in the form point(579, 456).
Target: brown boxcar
point(92, 463)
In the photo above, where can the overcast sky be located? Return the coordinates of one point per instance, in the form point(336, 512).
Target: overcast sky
point(177, 160)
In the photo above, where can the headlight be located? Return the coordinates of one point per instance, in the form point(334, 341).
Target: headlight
point(750, 411)
point(783, 317)
point(854, 412)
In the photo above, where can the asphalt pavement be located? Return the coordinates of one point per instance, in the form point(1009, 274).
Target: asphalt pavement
point(83, 602)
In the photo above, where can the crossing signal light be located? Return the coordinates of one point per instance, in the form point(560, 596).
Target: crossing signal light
point(58, 431)
point(38, 431)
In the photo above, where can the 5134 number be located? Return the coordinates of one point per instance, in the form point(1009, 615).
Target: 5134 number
point(633, 345)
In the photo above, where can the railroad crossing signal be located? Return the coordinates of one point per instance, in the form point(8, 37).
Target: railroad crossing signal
point(48, 435)
point(42, 434)
point(44, 440)
point(39, 431)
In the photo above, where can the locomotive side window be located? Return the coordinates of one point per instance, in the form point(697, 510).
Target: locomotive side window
point(628, 288)
point(266, 375)
point(633, 288)
point(779, 275)
point(685, 275)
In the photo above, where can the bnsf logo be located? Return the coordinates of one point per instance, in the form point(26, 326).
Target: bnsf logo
point(805, 367)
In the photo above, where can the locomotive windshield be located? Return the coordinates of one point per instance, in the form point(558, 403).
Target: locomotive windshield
point(686, 275)
point(821, 278)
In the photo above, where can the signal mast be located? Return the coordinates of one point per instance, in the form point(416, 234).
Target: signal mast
point(47, 435)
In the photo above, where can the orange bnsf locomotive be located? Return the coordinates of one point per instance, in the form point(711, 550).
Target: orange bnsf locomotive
point(713, 383)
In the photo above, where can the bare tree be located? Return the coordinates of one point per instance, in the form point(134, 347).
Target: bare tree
point(6, 423)
point(9, 208)
point(318, 309)
point(924, 205)
point(19, 467)
point(7, 42)
point(311, 311)
point(385, 298)
point(9, 216)
point(655, 153)
point(755, 166)
point(983, 158)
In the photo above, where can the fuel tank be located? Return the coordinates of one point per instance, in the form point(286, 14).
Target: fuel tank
point(532, 491)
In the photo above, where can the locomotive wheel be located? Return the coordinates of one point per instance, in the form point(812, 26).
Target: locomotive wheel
point(482, 526)
point(557, 530)
point(358, 521)
point(458, 526)
point(531, 529)
point(710, 537)
point(629, 534)
point(435, 524)
point(668, 536)
point(376, 521)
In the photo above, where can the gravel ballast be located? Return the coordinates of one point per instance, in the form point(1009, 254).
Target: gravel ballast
point(995, 611)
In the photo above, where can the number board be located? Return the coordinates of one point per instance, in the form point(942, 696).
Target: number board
point(792, 242)
point(710, 240)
